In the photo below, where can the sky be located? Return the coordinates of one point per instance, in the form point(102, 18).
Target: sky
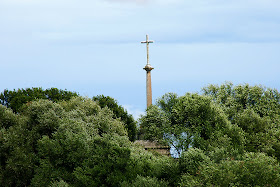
point(93, 47)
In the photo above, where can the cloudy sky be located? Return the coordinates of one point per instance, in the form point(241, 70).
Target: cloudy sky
point(93, 46)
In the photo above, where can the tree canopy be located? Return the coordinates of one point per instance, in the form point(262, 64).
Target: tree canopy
point(226, 136)
point(15, 99)
point(255, 109)
point(119, 112)
point(74, 143)
point(191, 120)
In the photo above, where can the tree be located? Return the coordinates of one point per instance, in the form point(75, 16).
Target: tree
point(28, 143)
point(75, 143)
point(189, 121)
point(17, 98)
point(141, 181)
point(20, 141)
point(229, 136)
point(119, 112)
point(78, 143)
point(235, 99)
point(255, 109)
point(253, 169)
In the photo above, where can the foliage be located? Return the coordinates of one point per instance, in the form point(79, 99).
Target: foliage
point(7, 117)
point(145, 182)
point(16, 98)
point(60, 183)
point(47, 133)
point(189, 121)
point(193, 160)
point(119, 112)
point(75, 143)
point(236, 99)
point(255, 109)
point(146, 164)
point(229, 136)
point(254, 169)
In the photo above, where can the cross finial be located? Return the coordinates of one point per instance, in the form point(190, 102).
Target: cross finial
point(147, 42)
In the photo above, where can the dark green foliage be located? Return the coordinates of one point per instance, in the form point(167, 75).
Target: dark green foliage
point(73, 143)
point(119, 112)
point(254, 169)
point(7, 117)
point(60, 183)
point(192, 161)
point(145, 182)
point(227, 137)
point(44, 123)
point(190, 120)
point(255, 109)
point(236, 99)
point(16, 98)
point(41, 118)
point(146, 164)
point(223, 139)
point(199, 114)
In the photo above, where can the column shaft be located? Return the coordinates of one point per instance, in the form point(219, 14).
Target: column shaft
point(149, 89)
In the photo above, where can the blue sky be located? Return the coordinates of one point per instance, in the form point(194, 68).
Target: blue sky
point(93, 46)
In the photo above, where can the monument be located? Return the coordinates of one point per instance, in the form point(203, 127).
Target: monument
point(148, 69)
point(146, 144)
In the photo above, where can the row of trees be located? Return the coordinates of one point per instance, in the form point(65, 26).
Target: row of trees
point(74, 143)
point(226, 136)
point(16, 100)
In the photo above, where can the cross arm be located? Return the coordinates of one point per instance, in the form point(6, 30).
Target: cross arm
point(151, 41)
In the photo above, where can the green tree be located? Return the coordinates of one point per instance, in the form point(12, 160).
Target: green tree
point(119, 112)
point(75, 143)
point(67, 125)
point(255, 109)
point(16, 98)
point(141, 181)
point(253, 169)
point(235, 99)
point(20, 141)
point(191, 120)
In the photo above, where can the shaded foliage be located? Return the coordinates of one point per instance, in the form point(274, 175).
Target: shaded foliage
point(222, 138)
point(255, 109)
point(119, 112)
point(235, 99)
point(253, 169)
point(75, 143)
point(190, 120)
point(228, 136)
point(16, 98)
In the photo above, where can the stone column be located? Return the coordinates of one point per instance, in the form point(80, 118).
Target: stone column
point(148, 69)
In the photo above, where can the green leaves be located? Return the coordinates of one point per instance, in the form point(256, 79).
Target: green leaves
point(227, 137)
point(56, 139)
point(255, 109)
point(235, 99)
point(17, 98)
point(119, 112)
point(189, 120)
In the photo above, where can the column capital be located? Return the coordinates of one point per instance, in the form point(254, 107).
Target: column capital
point(148, 67)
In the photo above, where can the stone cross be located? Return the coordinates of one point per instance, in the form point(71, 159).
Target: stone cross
point(147, 42)
point(148, 69)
